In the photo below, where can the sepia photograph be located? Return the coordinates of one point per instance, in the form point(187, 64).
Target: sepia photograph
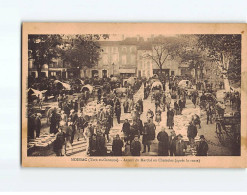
point(131, 94)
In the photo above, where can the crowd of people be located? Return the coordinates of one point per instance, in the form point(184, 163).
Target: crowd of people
point(69, 121)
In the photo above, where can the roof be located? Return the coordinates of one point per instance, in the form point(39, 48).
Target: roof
point(145, 46)
point(108, 43)
point(129, 41)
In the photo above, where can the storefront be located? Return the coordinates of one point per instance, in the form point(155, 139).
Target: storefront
point(127, 73)
point(164, 71)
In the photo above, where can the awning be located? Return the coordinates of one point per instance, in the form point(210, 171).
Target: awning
point(65, 85)
point(132, 71)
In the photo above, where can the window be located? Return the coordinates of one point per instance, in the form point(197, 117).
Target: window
point(172, 73)
point(105, 49)
point(124, 59)
point(140, 65)
point(115, 49)
point(105, 59)
point(124, 50)
point(132, 49)
point(133, 59)
point(114, 58)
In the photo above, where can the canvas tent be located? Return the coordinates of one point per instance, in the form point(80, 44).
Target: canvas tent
point(87, 88)
point(65, 85)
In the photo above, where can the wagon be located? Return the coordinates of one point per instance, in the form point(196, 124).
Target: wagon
point(228, 129)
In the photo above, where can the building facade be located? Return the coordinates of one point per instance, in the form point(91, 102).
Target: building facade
point(124, 58)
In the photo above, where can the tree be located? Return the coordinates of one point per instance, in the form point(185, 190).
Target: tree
point(43, 48)
point(164, 48)
point(225, 50)
point(195, 58)
point(82, 50)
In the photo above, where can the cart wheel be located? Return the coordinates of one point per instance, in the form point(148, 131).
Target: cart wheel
point(220, 134)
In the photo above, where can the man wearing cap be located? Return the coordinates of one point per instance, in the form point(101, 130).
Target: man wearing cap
point(163, 142)
point(180, 146)
point(202, 148)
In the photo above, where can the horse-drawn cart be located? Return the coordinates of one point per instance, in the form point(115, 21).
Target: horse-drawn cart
point(228, 129)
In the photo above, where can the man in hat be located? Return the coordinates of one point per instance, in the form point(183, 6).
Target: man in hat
point(126, 105)
point(126, 130)
point(117, 146)
point(118, 112)
point(145, 137)
point(170, 118)
point(191, 133)
point(53, 120)
point(59, 143)
point(74, 120)
point(93, 146)
point(180, 146)
point(140, 102)
point(76, 106)
point(101, 143)
point(31, 126)
point(176, 107)
point(163, 145)
point(135, 147)
point(38, 124)
point(172, 143)
point(202, 148)
point(150, 114)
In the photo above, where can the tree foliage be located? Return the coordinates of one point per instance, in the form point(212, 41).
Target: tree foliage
point(43, 48)
point(165, 48)
point(77, 50)
point(225, 50)
point(82, 50)
point(195, 58)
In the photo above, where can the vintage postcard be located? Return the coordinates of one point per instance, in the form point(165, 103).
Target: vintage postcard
point(134, 95)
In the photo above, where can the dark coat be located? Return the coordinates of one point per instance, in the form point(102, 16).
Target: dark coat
point(192, 131)
point(176, 107)
point(135, 148)
point(126, 128)
point(139, 125)
point(170, 118)
point(31, 127)
point(202, 149)
point(93, 147)
point(163, 145)
point(101, 149)
point(117, 147)
point(53, 125)
point(180, 146)
point(118, 110)
point(151, 131)
point(59, 142)
point(172, 144)
point(145, 134)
